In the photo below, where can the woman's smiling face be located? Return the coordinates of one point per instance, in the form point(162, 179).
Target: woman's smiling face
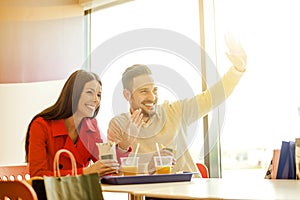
point(89, 99)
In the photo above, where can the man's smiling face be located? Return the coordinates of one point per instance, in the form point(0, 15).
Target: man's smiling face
point(143, 95)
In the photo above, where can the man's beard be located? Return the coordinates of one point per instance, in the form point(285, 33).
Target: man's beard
point(149, 113)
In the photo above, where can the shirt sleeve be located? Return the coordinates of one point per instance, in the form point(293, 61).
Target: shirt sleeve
point(201, 104)
point(98, 139)
point(114, 132)
point(37, 154)
point(121, 153)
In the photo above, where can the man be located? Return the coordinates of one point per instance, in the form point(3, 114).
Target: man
point(149, 124)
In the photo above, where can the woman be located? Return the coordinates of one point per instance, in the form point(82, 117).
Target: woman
point(70, 124)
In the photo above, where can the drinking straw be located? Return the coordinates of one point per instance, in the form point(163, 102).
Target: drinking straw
point(158, 152)
point(135, 153)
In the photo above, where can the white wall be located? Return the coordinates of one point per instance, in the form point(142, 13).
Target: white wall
point(40, 41)
point(18, 104)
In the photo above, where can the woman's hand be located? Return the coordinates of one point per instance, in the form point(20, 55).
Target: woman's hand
point(102, 167)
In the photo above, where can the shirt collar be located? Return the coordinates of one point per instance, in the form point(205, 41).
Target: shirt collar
point(88, 125)
point(157, 115)
point(155, 123)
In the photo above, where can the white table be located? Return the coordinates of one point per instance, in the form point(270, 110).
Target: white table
point(212, 188)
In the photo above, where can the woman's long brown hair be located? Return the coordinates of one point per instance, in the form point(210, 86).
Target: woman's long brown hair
point(67, 101)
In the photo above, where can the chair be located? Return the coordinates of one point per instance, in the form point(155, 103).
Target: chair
point(14, 172)
point(17, 189)
point(203, 170)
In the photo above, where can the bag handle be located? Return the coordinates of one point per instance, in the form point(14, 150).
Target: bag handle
point(56, 162)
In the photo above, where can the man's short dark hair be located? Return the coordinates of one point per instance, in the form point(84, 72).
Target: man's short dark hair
point(132, 72)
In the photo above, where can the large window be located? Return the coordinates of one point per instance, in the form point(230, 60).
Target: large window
point(264, 108)
point(178, 17)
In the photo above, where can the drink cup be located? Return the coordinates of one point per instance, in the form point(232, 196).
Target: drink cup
point(143, 168)
point(163, 164)
point(129, 166)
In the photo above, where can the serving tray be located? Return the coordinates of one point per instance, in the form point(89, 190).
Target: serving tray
point(138, 179)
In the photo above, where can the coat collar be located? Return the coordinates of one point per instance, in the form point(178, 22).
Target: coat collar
point(59, 128)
